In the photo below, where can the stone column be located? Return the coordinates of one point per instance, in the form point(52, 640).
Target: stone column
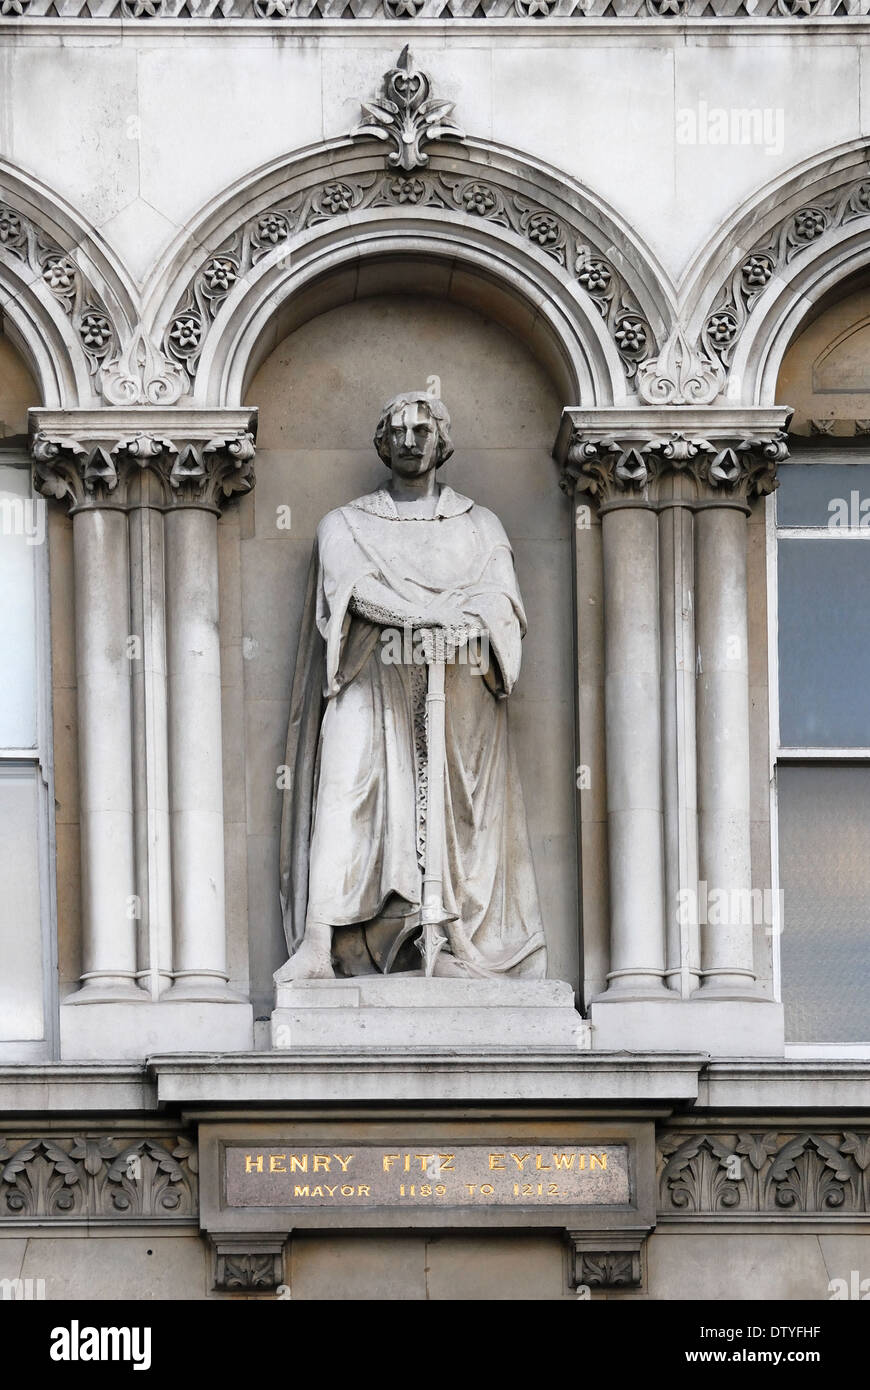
point(146, 488)
point(676, 553)
point(109, 901)
point(673, 485)
point(620, 478)
point(196, 790)
point(150, 743)
point(87, 481)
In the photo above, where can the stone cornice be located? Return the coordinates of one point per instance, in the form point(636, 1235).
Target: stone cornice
point(730, 455)
point(100, 458)
point(391, 17)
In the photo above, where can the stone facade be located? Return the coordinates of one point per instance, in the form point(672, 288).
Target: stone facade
point(629, 241)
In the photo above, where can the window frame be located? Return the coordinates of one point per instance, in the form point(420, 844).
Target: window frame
point(809, 755)
point(40, 758)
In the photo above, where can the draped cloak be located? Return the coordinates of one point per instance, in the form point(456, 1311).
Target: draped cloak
point(353, 827)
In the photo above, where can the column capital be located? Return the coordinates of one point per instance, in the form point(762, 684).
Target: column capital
point(100, 458)
point(729, 454)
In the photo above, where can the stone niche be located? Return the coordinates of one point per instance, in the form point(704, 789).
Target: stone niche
point(824, 373)
point(319, 393)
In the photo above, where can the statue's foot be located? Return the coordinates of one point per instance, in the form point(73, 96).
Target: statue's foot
point(310, 962)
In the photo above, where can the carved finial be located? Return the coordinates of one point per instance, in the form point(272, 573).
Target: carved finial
point(679, 375)
point(142, 376)
point(407, 115)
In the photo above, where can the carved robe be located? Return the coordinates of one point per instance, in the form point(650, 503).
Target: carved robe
point(354, 820)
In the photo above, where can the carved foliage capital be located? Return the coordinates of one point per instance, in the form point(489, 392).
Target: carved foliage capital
point(606, 1259)
point(734, 465)
point(89, 464)
point(248, 1263)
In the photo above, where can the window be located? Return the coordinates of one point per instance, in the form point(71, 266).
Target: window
point(823, 758)
point(25, 769)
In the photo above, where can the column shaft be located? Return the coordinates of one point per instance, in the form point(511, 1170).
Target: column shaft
point(682, 950)
point(723, 750)
point(110, 908)
point(195, 761)
point(150, 735)
point(634, 768)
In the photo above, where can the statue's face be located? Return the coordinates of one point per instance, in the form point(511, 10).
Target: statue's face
point(413, 440)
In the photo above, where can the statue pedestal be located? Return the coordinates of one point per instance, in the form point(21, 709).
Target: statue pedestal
point(409, 1011)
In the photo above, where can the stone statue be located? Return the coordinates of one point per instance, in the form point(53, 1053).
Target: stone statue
point(411, 592)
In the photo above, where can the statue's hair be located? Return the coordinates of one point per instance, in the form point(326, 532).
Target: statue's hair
point(438, 411)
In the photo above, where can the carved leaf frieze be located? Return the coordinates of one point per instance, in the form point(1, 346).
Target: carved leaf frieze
point(97, 1176)
point(280, 12)
point(764, 1172)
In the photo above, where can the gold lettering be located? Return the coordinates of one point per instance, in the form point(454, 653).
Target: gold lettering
point(343, 1161)
point(564, 1160)
point(496, 1161)
point(347, 1190)
point(581, 1160)
point(519, 1160)
point(274, 1166)
point(300, 1191)
point(300, 1163)
point(363, 1191)
point(598, 1161)
point(322, 1163)
point(487, 1190)
point(389, 1160)
point(252, 1164)
point(332, 1191)
point(424, 1159)
point(538, 1163)
point(317, 1191)
point(446, 1162)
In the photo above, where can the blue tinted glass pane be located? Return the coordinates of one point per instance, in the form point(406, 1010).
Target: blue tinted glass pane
point(824, 643)
point(819, 494)
point(824, 855)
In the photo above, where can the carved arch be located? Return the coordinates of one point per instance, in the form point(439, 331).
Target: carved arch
point(585, 283)
point(750, 290)
point(68, 305)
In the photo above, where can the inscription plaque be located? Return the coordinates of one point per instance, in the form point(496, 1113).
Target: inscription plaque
point(466, 1175)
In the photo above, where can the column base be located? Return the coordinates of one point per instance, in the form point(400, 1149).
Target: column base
point(735, 987)
point(123, 1031)
point(635, 988)
point(721, 1027)
point(411, 1012)
point(111, 990)
point(201, 989)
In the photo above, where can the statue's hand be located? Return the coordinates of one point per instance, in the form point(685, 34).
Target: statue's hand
point(444, 612)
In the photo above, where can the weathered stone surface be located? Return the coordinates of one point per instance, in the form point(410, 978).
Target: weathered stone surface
point(438, 1015)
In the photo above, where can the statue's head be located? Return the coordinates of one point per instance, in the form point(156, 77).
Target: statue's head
point(413, 434)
